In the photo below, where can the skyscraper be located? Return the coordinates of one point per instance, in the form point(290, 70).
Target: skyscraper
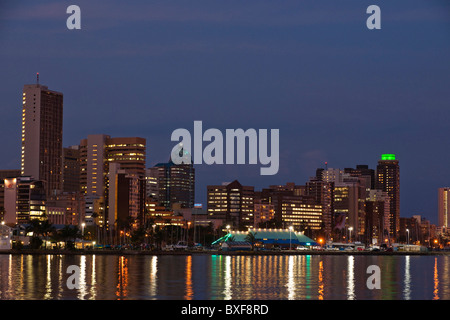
point(363, 170)
point(444, 207)
point(97, 152)
point(71, 169)
point(323, 194)
point(388, 180)
point(377, 217)
point(42, 131)
point(349, 194)
point(176, 184)
point(126, 197)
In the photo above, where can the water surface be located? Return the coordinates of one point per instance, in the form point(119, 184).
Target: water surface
point(217, 277)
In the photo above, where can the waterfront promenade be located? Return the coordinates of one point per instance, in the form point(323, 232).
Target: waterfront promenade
point(218, 252)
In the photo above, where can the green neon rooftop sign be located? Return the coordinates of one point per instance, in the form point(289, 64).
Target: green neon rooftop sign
point(388, 156)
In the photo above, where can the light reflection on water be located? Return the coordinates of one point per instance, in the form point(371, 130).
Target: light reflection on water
point(293, 277)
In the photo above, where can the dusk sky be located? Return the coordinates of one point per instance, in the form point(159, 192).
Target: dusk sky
point(337, 91)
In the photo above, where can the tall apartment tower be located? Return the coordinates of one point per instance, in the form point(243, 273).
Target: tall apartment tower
point(323, 194)
point(176, 184)
point(444, 207)
point(42, 133)
point(97, 152)
point(388, 180)
point(349, 194)
point(71, 169)
point(126, 197)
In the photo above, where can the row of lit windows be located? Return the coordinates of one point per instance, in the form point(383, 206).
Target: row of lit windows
point(125, 145)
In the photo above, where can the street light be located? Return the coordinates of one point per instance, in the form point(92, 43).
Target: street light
point(82, 228)
point(290, 230)
point(187, 233)
point(350, 234)
point(407, 240)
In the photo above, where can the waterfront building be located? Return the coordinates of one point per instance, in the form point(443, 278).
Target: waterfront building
point(175, 184)
point(444, 207)
point(377, 217)
point(323, 194)
point(293, 207)
point(94, 210)
point(3, 175)
point(232, 203)
point(71, 170)
point(264, 211)
point(24, 200)
point(388, 180)
point(409, 230)
point(126, 198)
point(151, 183)
point(6, 234)
point(66, 208)
point(42, 132)
point(269, 238)
point(349, 195)
point(161, 217)
point(97, 152)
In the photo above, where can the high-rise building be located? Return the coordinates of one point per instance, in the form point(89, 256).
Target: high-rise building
point(42, 132)
point(97, 152)
point(444, 207)
point(232, 203)
point(364, 171)
point(377, 217)
point(349, 194)
point(323, 194)
point(176, 184)
point(71, 169)
point(388, 180)
point(151, 183)
point(126, 199)
point(130, 152)
point(92, 163)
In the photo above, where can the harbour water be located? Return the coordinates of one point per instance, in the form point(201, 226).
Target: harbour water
point(224, 277)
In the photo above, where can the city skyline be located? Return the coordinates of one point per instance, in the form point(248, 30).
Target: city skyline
point(203, 195)
point(277, 68)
